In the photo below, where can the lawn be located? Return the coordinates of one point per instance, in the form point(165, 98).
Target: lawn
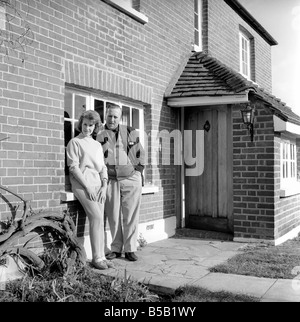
point(197, 294)
point(262, 260)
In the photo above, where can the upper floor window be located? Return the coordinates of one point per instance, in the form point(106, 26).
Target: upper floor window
point(198, 25)
point(245, 56)
point(129, 7)
point(2, 18)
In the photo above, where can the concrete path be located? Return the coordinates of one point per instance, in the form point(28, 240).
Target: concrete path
point(167, 265)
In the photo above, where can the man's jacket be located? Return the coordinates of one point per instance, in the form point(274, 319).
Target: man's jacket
point(123, 152)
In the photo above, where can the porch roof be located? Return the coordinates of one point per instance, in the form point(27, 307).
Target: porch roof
point(206, 76)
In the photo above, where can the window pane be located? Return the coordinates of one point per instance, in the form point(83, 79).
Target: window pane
point(68, 131)
point(196, 38)
point(109, 104)
point(127, 3)
point(136, 4)
point(126, 115)
point(68, 105)
point(2, 17)
point(292, 152)
point(80, 105)
point(99, 108)
point(245, 55)
point(244, 45)
point(285, 169)
point(196, 22)
point(136, 118)
point(196, 5)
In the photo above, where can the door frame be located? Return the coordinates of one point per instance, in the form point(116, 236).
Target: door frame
point(181, 216)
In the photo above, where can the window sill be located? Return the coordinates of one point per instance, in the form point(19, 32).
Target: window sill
point(197, 49)
point(67, 196)
point(290, 191)
point(119, 4)
point(149, 189)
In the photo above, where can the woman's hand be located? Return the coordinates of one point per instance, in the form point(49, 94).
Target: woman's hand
point(102, 194)
point(91, 193)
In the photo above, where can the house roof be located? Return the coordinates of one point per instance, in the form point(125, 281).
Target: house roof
point(206, 76)
point(239, 9)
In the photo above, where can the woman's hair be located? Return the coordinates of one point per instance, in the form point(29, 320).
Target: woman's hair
point(91, 116)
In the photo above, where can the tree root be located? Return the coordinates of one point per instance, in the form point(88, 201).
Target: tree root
point(58, 226)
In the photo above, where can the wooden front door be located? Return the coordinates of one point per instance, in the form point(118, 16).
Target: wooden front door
point(209, 196)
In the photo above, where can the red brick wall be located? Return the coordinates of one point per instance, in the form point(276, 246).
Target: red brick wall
point(80, 42)
point(222, 42)
point(286, 209)
point(253, 176)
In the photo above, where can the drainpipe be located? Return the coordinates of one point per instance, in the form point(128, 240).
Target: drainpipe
point(182, 183)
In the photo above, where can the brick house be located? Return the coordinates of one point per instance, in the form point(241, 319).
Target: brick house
point(182, 72)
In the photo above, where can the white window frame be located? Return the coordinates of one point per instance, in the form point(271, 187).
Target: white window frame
point(90, 99)
point(126, 6)
point(2, 17)
point(245, 56)
point(198, 19)
point(289, 184)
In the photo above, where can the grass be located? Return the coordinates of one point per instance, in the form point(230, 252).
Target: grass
point(90, 286)
point(198, 294)
point(86, 286)
point(262, 260)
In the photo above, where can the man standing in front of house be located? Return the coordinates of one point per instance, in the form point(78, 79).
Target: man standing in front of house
point(124, 158)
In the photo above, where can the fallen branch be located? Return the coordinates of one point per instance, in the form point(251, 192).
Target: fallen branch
point(60, 226)
point(30, 255)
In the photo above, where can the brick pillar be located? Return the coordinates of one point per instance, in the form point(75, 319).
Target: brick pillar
point(253, 176)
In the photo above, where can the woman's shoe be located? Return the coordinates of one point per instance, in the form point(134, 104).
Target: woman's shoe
point(100, 264)
point(110, 264)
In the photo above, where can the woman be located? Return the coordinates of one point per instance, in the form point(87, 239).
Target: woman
point(88, 176)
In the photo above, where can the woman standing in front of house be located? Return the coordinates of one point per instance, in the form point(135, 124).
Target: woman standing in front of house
point(88, 176)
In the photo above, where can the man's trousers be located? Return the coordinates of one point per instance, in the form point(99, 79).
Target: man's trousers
point(122, 208)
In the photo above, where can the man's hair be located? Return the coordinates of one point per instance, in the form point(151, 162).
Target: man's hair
point(113, 106)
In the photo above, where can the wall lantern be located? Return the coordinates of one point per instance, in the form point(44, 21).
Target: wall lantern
point(248, 119)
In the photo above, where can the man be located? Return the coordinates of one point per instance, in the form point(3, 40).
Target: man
point(124, 158)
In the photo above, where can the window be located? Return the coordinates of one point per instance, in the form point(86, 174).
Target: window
point(2, 17)
point(198, 25)
point(245, 56)
point(288, 162)
point(129, 7)
point(289, 184)
point(77, 102)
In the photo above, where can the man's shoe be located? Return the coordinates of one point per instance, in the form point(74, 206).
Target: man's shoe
point(131, 257)
point(113, 255)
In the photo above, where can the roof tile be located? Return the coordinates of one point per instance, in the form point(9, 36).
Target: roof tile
point(206, 76)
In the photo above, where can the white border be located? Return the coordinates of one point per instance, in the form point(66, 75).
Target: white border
point(152, 231)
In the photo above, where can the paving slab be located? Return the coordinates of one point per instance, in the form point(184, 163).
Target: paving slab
point(167, 265)
point(284, 291)
point(238, 284)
